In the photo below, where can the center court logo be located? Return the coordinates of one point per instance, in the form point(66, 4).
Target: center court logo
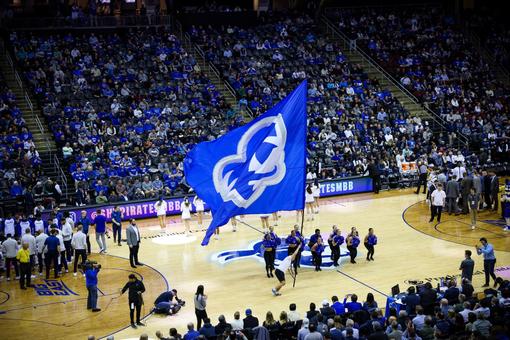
point(255, 251)
point(244, 185)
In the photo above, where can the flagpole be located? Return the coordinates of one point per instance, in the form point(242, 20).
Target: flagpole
point(252, 227)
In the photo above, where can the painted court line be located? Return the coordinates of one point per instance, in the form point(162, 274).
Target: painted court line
point(362, 283)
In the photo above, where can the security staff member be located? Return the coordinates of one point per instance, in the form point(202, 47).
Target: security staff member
point(135, 298)
point(52, 249)
point(23, 257)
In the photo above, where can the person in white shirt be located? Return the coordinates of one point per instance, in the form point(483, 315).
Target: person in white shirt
point(437, 198)
point(281, 268)
point(309, 202)
point(316, 189)
point(79, 243)
point(62, 258)
point(199, 208)
point(237, 324)
point(67, 235)
point(10, 250)
point(465, 312)
point(349, 324)
point(419, 319)
point(160, 207)
point(29, 239)
point(38, 224)
point(39, 243)
point(293, 315)
point(9, 223)
point(186, 214)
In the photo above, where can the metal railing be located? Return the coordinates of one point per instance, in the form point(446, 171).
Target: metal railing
point(215, 70)
point(60, 175)
point(88, 22)
point(436, 118)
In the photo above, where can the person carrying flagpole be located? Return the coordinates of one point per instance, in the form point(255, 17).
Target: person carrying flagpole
point(284, 266)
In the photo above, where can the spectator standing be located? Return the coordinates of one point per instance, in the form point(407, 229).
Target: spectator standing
point(100, 224)
point(437, 199)
point(467, 266)
point(200, 301)
point(489, 260)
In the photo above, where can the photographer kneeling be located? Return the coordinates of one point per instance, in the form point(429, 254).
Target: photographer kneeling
point(91, 269)
point(164, 303)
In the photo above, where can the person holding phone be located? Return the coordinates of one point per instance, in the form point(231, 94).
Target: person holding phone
point(489, 260)
point(135, 298)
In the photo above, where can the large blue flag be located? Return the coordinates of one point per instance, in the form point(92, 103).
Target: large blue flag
point(258, 168)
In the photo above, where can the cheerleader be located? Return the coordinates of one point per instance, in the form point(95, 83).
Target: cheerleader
point(336, 242)
point(301, 246)
point(269, 246)
point(294, 245)
point(505, 205)
point(309, 201)
point(275, 218)
point(265, 221)
point(316, 189)
point(199, 207)
point(353, 243)
point(186, 214)
point(330, 238)
point(160, 207)
point(370, 242)
point(317, 250)
point(277, 241)
point(299, 215)
point(233, 222)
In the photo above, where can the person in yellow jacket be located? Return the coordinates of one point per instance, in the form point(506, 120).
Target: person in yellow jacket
point(23, 257)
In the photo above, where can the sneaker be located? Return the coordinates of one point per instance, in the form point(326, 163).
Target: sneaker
point(8, 279)
point(275, 293)
point(67, 270)
point(95, 310)
point(140, 324)
point(40, 274)
point(472, 227)
point(75, 274)
point(507, 228)
point(133, 326)
point(17, 277)
point(33, 276)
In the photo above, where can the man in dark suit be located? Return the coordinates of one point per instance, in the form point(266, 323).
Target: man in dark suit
point(452, 193)
point(133, 240)
point(373, 172)
point(452, 293)
point(250, 321)
point(494, 191)
point(135, 289)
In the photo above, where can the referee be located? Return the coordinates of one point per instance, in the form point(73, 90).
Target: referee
point(422, 180)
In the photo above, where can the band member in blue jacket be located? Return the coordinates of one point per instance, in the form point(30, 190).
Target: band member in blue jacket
point(301, 247)
point(370, 242)
point(353, 242)
point(336, 241)
point(268, 246)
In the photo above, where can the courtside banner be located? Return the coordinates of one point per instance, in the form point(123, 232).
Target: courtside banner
point(344, 186)
point(136, 210)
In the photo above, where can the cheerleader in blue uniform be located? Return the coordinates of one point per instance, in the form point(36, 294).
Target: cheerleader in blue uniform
point(336, 241)
point(301, 247)
point(276, 240)
point(353, 243)
point(317, 250)
point(370, 242)
point(269, 246)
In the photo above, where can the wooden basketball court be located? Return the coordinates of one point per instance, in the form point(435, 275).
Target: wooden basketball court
point(409, 249)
